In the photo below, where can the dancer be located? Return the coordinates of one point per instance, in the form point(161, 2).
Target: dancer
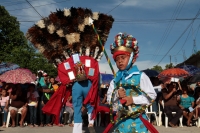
point(69, 39)
point(131, 86)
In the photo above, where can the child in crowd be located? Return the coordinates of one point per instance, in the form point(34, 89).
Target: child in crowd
point(197, 108)
point(70, 110)
point(32, 97)
point(186, 104)
point(4, 105)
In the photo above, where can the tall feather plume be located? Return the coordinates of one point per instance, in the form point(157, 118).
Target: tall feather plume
point(67, 31)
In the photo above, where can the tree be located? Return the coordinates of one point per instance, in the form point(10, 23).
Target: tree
point(157, 68)
point(15, 47)
point(10, 35)
point(167, 66)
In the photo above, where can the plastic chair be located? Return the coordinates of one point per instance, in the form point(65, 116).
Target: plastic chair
point(150, 111)
point(159, 115)
point(198, 122)
point(8, 118)
point(166, 118)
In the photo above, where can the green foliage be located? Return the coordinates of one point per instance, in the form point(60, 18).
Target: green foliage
point(15, 47)
point(167, 66)
point(157, 68)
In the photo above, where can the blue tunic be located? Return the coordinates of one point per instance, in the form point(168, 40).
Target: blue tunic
point(132, 86)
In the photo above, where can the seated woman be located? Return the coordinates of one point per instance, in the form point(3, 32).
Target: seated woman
point(186, 104)
point(18, 104)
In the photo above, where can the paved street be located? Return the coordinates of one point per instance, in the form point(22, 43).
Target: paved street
point(67, 129)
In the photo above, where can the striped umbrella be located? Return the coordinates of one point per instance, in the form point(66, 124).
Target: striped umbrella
point(21, 76)
point(173, 72)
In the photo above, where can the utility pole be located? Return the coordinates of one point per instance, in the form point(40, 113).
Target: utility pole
point(170, 58)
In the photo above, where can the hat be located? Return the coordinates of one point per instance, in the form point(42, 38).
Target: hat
point(69, 31)
point(45, 74)
point(124, 44)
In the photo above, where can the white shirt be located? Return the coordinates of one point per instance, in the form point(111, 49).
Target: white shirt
point(32, 98)
point(145, 85)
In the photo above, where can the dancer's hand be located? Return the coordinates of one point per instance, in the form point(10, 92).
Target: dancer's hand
point(121, 93)
point(129, 100)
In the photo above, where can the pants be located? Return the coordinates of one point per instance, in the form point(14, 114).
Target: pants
point(79, 92)
point(173, 119)
point(71, 113)
point(44, 118)
point(33, 114)
point(61, 115)
point(4, 114)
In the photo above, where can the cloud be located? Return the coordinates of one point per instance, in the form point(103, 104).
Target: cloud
point(153, 4)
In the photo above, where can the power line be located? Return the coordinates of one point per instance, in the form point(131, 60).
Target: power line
point(180, 36)
point(34, 9)
point(167, 30)
point(116, 7)
point(38, 5)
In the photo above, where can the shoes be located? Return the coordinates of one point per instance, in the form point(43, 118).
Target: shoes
point(35, 125)
point(49, 125)
point(41, 125)
point(71, 125)
point(60, 125)
point(172, 125)
point(195, 119)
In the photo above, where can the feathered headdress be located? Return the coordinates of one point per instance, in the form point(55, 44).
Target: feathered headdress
point(124, 43)
point(66, 32)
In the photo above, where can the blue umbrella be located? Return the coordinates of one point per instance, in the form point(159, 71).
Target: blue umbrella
point(4, 67)
point(106, 78)
point(190, 69)
point(150, 73)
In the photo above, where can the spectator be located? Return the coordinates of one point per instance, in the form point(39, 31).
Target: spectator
point(4, 105)
point(53, 84)
point(187, 105)
point(197, 108)
point(70, 110)
point(171, 104)
point(47, 91)
point(157, 87)
point(32, 97)
point(18, 104)
point(104, 107)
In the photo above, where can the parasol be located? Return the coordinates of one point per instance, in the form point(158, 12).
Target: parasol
point(173, 72)
point(4, 67)
point(190, 68)
point(21, 76)
point(150, 73)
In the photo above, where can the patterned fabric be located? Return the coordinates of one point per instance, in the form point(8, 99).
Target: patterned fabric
point(131, 85)
point(20, 75)
point(131, 125)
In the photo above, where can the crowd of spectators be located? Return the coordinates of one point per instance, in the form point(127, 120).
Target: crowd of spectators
point(179, 97)
point(28, 100)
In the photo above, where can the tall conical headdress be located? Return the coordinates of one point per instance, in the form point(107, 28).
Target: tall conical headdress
point(68, 31)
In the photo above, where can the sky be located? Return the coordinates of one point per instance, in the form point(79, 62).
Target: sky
point(167, 31)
